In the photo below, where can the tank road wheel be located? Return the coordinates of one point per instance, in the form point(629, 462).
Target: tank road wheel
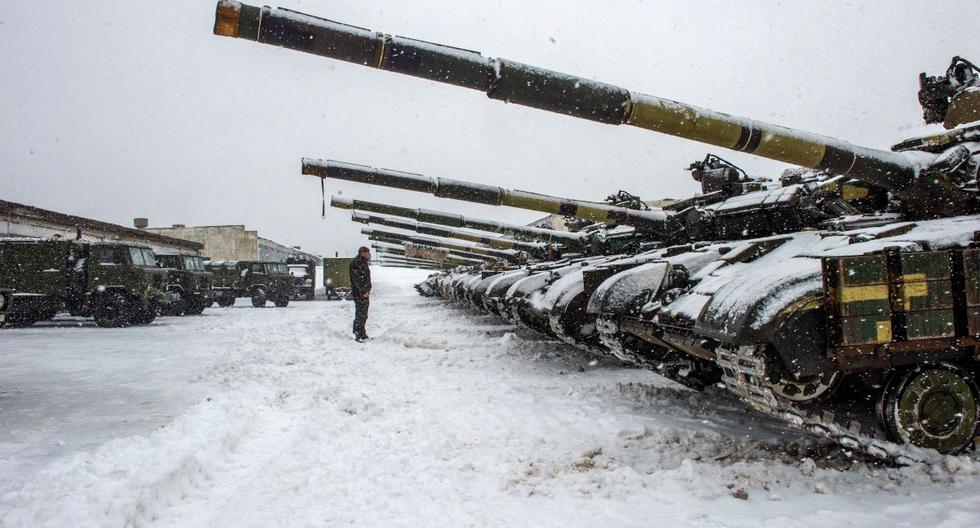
point(259, 297)
point(196, 306)
point(812, 388)
point(934, 407)
point(113, 310)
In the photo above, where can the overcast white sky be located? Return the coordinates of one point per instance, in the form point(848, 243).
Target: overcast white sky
point(113, 109)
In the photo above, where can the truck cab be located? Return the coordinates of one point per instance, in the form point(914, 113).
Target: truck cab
point(303, 272)
point(189, 284)
point(117, 284)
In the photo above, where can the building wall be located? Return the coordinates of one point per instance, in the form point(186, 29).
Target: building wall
point(227, 242)
point(232, 242)
point(15, 226)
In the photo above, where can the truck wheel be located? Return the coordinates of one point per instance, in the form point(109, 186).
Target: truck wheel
point(113, 310)
point(282, 301)
point(195, 306)
point(226, 301)
point(259, 297)
point(144, 316)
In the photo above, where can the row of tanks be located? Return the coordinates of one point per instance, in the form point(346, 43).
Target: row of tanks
point(843, 297)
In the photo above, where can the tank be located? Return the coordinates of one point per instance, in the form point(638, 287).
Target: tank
point(879, 292)
point(731, 205)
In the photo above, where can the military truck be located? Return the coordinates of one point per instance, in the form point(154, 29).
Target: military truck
point(189, 284)
point(5, 296)
point(117, 284)
point(336, 278)
point(303, 271)
point(259, 280)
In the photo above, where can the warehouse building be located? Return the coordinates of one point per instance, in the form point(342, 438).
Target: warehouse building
point(19, 220)
point(229, 242)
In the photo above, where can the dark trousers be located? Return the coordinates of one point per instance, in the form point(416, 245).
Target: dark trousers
point(360, 315)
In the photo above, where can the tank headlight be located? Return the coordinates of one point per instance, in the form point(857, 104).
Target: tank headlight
point(3, 301)
point(329, 281)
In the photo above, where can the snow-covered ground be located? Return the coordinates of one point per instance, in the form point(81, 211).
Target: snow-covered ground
point(275, 417)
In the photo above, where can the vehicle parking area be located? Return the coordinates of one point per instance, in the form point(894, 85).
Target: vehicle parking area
point(275, 417)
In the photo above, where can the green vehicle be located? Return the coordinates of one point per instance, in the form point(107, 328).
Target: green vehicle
point(336, 278)
point(117, 284)
point(189, 284)
point(303, 271)
point(5, 296)
point(262, 281)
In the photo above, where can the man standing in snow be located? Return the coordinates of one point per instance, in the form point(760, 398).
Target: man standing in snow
point(360, 290)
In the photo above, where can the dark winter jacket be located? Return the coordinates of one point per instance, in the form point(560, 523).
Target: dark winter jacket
point(360, 276)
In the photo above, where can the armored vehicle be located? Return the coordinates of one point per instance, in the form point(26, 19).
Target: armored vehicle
point(261, 281)
point(336, 278)
point(117, 284)
point(863, 274)
point(189, 284)
point(303, 270)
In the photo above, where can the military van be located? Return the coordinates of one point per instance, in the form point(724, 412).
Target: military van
point(261, 281)
point(117, 284)
point(303, 271)
point(336, 278)
point(189, 284)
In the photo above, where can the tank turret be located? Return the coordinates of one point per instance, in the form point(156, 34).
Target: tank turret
point(454, 220)
point(933, 185)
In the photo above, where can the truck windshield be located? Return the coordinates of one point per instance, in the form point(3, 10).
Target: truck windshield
point(298, 271)
point(194, 263)
point(148, 257)
point(137, 255)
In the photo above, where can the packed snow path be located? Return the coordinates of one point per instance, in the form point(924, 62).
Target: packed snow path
point(271, 417)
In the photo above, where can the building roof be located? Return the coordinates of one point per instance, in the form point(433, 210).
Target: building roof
point(87, 224)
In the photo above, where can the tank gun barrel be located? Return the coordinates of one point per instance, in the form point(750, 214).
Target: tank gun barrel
point(401, 259)
point(655, 222)
point(445, 232)
point(510, 256)
point(403, 246)
point(455, 220)
point(536, 87)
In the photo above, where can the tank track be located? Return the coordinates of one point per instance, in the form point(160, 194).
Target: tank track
point(744, 371)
